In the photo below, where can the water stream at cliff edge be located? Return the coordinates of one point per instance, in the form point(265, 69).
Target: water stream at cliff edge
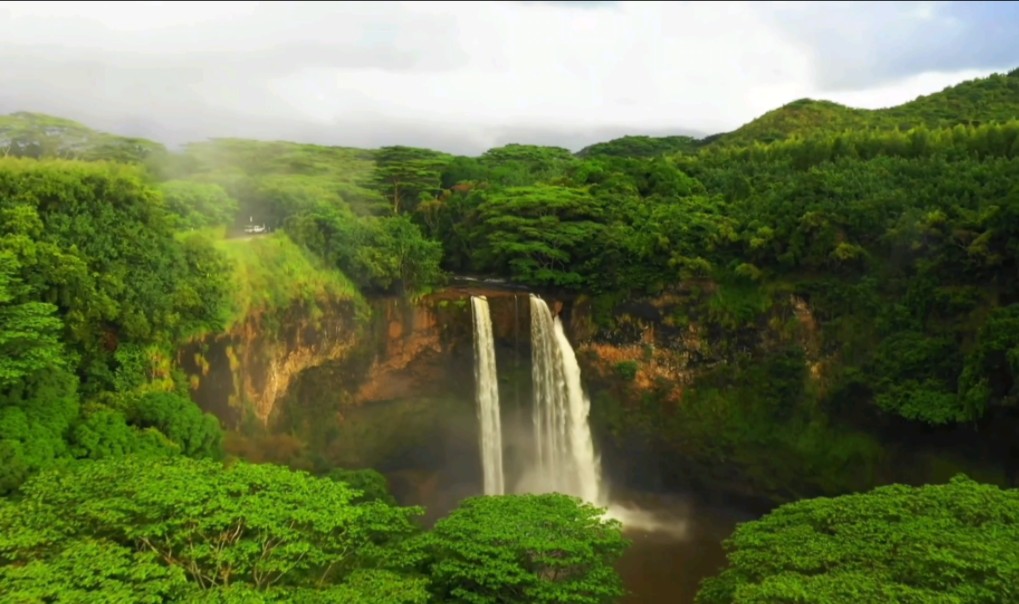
point(487, 395)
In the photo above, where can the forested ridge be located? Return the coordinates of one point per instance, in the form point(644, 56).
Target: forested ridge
point(897, 226)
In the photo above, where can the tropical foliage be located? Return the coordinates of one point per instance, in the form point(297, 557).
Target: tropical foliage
point(937, 543)
point(895, 229)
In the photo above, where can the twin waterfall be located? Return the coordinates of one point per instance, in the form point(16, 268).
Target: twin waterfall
point(486, 382)
point(563, 436)
point(565, 460)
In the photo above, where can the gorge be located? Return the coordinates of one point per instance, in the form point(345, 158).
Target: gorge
point(405, 400)
point(800, 326)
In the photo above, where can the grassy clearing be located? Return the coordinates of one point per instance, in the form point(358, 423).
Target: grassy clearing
point(272, 273)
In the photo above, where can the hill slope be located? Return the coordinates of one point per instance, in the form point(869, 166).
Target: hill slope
point(26, 134)
point(991, 99)
point(640, 146)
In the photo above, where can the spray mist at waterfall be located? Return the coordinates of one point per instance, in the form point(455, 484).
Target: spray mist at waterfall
point(487, 394)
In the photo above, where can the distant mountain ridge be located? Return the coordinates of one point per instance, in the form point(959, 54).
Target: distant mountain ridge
point(982, 100)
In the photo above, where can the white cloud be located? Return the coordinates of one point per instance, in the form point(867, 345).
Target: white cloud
point(907, 89)
point(464, 75)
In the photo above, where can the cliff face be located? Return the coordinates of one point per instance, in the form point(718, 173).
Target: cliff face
point(418, 347)
point(705, 386)
point(400, 397)
point(402, 349)
point(408, 350)
point(249, 368)
point(657, 343)
point(682, 393)
point(750, 392)
point(701, 388)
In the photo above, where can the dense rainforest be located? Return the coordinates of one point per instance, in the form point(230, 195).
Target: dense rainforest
point(898, 227)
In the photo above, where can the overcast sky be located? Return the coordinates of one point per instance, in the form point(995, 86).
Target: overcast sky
point(466, 76)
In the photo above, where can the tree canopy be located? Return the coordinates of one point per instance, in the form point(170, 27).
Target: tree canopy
point(951, 542)
point(836, 283)
point(155, 528)
point(526, 548)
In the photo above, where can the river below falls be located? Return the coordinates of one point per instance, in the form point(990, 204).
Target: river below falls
point(428, 450)
point(665, 565)
point(676, 541)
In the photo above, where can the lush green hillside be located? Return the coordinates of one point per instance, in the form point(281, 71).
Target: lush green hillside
point(271, 273)
point(111, 484)
point(900, 244)
point(112, 259)
point(264, 176)
point(991, 99)
point(641, 146)
point(26, 134)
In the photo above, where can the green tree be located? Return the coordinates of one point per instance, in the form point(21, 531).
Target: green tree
point(198, 205)
point(951, 542)
point(641, 146)
point(247, 527)
point(103, 433)
point(37, 391)
point(516, 165)
point(406, 175)
point(197, 434)
point(380, 254)
point(914, 377)
point(371, 483)
point(85, 570)
point(29, 331)
point(526, 548)
point(991, 374)
point(540, 235)
point(94, 240)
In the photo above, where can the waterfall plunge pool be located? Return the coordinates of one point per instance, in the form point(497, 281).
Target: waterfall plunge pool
point(429, 447)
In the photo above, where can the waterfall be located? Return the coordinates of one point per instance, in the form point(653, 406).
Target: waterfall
point(487, 394)
point(564, 447)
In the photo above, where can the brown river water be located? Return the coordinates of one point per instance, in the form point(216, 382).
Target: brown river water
point(675, 541)
point(666, 566)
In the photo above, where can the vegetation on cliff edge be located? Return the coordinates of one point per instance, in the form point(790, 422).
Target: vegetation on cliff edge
point(896, 228)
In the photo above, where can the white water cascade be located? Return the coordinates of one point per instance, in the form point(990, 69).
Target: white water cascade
point(487, 395)
point(565, 450)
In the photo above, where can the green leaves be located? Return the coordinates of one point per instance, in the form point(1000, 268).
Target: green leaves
point(37, 393)
point(912, 377)
point(94, 570)
point(991, 373)
point(526, 548)
point(25, 134)
point(406, 175)
point(163, 519)
point(29, 331)
point(95, 241)
point(379, 254)
point(153, 529)
point(197, 434)
point(641, 146)
point(198, 205)
point(953, 542)
point(990, 99)
point(541, 233)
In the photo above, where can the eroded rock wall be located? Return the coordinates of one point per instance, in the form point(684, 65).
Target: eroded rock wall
point(391, 348)
point(657, 343)
point(249, 369)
